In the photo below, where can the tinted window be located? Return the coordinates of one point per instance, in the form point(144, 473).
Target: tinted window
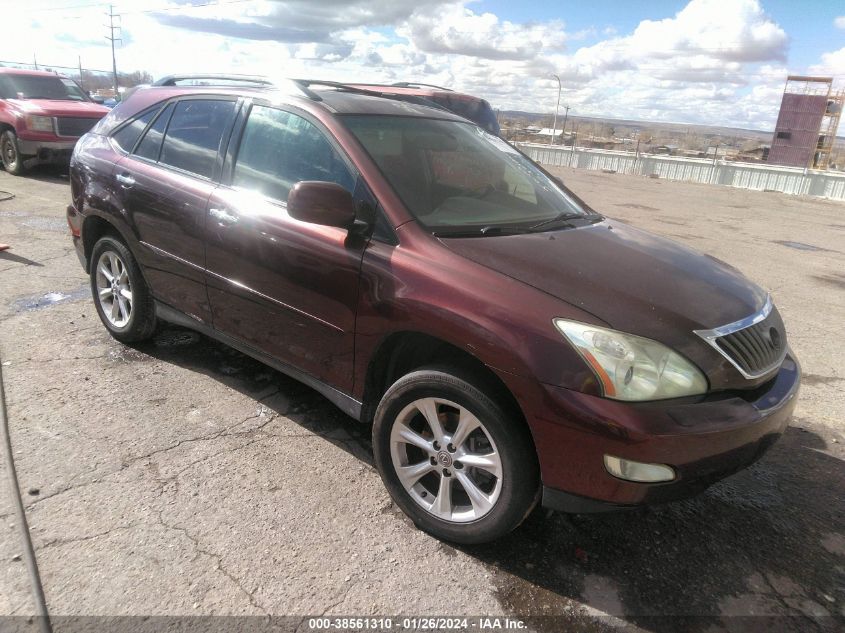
point(279, 149)
point(128, 135)
point(194, 134)
point(45, 87)
point(149, 147)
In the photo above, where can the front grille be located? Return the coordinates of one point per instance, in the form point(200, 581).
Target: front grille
point(74, 126)
point(755, 346)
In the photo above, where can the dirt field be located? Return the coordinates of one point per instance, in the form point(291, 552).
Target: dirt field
point(182, 478)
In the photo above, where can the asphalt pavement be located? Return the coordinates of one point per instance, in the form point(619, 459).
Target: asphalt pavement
point(181, 478)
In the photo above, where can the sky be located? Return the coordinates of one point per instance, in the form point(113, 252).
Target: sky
point(715, 62)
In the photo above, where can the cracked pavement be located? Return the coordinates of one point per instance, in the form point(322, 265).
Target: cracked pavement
point(181, 478)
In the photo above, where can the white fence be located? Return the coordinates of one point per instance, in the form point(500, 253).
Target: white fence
point(743, 175)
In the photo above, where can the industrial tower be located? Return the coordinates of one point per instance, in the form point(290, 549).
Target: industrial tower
point(806, 128)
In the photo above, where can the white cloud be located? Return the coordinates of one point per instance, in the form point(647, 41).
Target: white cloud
point(839, 22)
point(458, 30)
point(712, 62)
point(832, 63)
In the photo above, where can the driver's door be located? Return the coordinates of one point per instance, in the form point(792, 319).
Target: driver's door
point(284, 287)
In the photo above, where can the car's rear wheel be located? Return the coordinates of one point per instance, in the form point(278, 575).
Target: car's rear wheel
point(10, 153)
point(458, 463)
point(121, 295)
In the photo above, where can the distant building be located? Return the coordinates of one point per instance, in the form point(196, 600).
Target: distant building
point(807, 123)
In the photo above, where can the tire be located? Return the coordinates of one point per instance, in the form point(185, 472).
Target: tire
point(436, 495)
point(10, 153)
point(115, 273)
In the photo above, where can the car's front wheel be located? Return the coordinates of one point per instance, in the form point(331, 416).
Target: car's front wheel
point(121, 295)
point(458, 463)
point(10, 153)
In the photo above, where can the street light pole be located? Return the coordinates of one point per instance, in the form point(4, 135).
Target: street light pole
point(557, 107)
point(565, 116)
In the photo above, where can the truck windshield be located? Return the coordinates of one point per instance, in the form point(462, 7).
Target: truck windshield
point(455, 178)
point(42, 87)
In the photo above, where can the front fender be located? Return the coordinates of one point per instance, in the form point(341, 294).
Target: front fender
point(505, 324)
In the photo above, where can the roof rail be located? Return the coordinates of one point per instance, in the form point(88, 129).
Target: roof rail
point(248, 80)
point(412, 84)
point(304, 84)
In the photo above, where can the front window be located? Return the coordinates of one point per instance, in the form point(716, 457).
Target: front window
point(43, 87)
point(455, 178)
point(279, 149)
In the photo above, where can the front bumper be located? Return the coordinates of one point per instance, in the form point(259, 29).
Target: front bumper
point(704, 440)
point(74, 223)
point(38, 151)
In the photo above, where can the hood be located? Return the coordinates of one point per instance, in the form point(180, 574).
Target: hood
point(51, 107)
point(632, 280)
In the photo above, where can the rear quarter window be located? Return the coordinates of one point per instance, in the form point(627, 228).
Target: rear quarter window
point(150, 146)
point(128, 135)
point(193, 137)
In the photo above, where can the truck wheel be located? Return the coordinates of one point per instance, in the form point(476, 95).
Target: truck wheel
point(454, 460)
point(10, 154)
point(121, 295)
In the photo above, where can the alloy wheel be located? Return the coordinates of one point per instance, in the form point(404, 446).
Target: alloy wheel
point(114, 291)
point(446, 460)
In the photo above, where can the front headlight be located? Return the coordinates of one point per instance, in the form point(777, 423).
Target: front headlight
point(631, 367)
point(39, 123)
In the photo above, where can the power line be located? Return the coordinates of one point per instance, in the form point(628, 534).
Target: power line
point(43, 65)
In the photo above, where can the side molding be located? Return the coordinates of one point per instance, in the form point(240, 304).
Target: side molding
point(346, 403)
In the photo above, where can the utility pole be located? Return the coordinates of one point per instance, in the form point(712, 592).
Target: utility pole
point(111, 27)
point(713, 168)
point(81, 80)
point(34, 61)
point(565, 116)
point(557, 107)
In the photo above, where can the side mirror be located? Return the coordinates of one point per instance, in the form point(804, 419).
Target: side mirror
point(320, 202)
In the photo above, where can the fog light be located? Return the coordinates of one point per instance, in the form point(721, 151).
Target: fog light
point(637, 471)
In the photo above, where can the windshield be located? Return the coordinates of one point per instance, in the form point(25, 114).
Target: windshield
point(41, 87)
point(455, 178)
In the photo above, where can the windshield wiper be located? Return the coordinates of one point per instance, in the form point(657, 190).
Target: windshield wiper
point(484, 231)
point(561, 217)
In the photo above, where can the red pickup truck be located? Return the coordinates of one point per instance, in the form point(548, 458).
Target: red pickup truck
point(42, 115)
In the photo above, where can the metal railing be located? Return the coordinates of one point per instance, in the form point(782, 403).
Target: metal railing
point(759, 177)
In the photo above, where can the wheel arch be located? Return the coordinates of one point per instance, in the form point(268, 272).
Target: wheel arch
point(95, 227)
point(400, 353)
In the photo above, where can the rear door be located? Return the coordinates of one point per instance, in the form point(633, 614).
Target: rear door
point(284, 287)
point(164, 185)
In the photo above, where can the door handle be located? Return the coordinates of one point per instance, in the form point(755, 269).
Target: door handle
point(223, 217)
point(125, 180)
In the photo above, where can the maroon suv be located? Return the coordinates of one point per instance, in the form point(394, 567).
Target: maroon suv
point(42, 115)
point(507, 343)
